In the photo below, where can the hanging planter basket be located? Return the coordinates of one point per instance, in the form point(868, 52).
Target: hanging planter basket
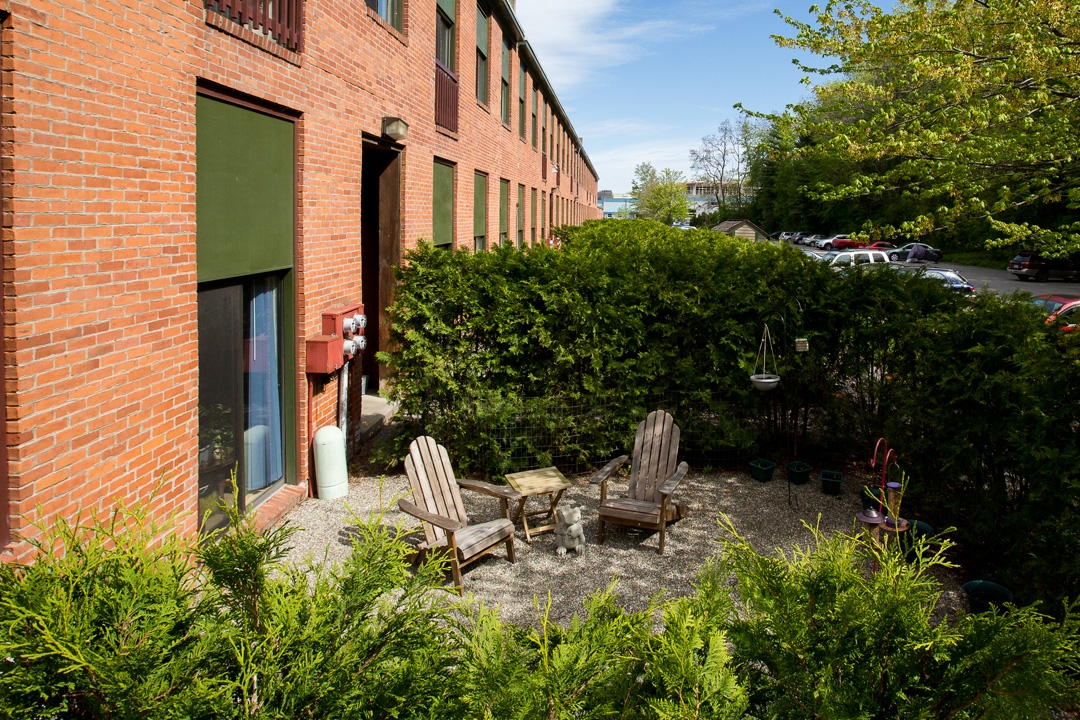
point(764, 380)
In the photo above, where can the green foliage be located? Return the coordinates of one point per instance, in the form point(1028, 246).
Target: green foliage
point(660, 195)
point(106, 623)
point(965, 108)
point(845, 629)
point(115, 619)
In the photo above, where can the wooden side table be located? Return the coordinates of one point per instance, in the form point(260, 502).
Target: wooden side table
point(544, 481)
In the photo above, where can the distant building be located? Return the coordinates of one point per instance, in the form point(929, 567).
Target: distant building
point(618, 206)
point(606, 195)
point(742, 229)
point(702, 195)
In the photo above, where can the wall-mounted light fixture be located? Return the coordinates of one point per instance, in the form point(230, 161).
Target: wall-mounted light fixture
point(395, 128)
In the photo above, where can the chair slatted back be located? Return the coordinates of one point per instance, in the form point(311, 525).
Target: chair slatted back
point(656, 455)
point(434, 488)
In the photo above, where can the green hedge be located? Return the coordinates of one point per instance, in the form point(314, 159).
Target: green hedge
point(516, 357)
point(127, 624)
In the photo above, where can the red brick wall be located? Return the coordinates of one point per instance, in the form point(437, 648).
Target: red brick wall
point(98, 141)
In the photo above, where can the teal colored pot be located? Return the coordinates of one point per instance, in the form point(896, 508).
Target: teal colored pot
point(762, 469)
point(982, 594)
point(831, 482)
point(798, 472)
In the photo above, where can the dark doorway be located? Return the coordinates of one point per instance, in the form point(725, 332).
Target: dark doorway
point(380, 248)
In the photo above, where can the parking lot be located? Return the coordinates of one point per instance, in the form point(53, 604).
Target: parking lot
point(999, 281)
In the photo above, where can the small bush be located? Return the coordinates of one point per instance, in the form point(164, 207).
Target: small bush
point(126, 624)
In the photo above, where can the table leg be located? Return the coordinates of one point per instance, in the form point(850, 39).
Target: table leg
point(524, 518)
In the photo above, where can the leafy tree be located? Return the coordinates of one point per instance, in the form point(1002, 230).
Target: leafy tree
point(723, 159)
point(660, 195)
point(968, 107)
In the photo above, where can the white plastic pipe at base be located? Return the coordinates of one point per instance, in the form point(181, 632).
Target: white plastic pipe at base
point(331, 469)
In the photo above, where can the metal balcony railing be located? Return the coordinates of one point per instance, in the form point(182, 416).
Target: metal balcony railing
point(446, 98)
point(280, 20)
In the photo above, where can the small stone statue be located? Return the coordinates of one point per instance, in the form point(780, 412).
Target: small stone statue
point(568, 532)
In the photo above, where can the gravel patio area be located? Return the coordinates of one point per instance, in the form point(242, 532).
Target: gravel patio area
point(762, 512)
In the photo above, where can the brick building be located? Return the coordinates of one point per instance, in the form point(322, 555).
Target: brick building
point(188, 187)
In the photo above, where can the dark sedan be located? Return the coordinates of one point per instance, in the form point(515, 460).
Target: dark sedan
point(1028, 264)
point(928, 253)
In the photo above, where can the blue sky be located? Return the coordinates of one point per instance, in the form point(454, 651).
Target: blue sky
point(645, 81)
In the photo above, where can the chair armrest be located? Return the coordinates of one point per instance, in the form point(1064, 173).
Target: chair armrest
point(500, 491)
point(676, 477)
point(437, 520)
point(605, 472)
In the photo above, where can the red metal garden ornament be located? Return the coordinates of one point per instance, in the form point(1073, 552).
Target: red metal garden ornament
point(887, 456)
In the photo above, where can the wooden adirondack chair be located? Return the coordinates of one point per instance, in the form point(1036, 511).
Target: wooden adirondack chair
point(654, 475)
point(437, 503)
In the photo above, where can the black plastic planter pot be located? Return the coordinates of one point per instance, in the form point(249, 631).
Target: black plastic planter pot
point(983, 593)
point(762, 469)
point(831, 482)
point(798, 472)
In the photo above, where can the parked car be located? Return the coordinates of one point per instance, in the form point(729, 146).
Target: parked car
point(1030, 264)
point(843, 242)
point(847, 258)
point(1050, 304)
point(788, 235)
point(801, 238)
point(812, 240)
point(1067, 317)
point(880, 245)
point(682, 225)
point(827, 242)
point(951, 279)
point(929, 254)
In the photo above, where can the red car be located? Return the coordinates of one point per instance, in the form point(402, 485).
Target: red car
point(1067, 316)
point(1050, 304)
point(881, 245)
point(840, 242)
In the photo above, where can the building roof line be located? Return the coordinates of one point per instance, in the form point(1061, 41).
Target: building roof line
point(506, 12)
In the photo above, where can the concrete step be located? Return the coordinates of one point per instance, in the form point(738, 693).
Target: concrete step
point(375, 412)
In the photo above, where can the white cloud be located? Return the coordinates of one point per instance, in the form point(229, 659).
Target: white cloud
point(616, 164)
point(576, 40)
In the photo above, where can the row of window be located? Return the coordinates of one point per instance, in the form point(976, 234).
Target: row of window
point(533, 219)
point(563, 152)
point(285, 18)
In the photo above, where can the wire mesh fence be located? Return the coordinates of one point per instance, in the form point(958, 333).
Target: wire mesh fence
point(575, 434)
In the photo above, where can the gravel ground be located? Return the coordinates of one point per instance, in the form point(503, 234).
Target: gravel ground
point(764, 513)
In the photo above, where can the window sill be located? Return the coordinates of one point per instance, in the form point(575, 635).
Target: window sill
point(238, 31)
point(397, 34)
point(446, 131)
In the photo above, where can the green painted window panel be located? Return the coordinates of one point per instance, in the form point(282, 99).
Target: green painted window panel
point(479, 205)
point(244, 191)
point(482, 31)
point(443, 205)
point(449, 7)
point(507, 54)
point(521, 215)
point(504, 206)
point(532, 215)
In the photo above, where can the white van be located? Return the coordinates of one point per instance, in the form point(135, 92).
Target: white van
point(847, 258)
